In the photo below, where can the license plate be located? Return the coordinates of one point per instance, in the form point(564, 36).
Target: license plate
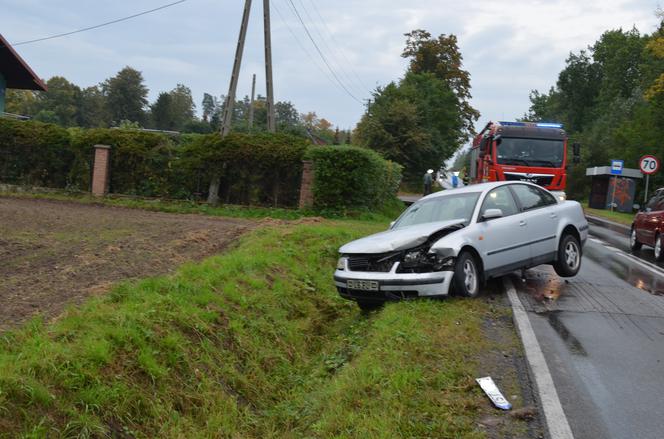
point(364, 285)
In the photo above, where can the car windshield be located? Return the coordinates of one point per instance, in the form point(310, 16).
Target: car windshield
point(546, 153)
point(443, 208)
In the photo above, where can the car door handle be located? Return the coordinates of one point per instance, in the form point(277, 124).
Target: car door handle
point(522, 223)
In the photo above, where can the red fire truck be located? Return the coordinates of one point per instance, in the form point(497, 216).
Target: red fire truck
point(527, 151)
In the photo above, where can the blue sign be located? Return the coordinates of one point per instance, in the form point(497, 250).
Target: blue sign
point(617, 167)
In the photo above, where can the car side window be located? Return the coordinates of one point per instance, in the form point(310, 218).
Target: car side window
point(660, 204)
point(500, 198)
point(654, 202)
point(550, 199)
point(531, 197)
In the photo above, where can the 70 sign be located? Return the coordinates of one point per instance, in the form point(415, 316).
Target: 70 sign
point(649, 164)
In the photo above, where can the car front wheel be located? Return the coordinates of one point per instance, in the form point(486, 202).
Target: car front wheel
point(466, 275)
point(659, 248)
point(569, 256)
point(634, 243)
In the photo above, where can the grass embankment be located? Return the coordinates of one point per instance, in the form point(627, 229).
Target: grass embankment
point(619, 217)
point(253, 344)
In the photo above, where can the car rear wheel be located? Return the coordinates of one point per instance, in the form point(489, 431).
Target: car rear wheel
point(569, 256)
point(659, 248)
point(634, 243)
point(466, 275)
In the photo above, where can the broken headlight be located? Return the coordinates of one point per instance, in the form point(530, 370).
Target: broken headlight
point(421, 261)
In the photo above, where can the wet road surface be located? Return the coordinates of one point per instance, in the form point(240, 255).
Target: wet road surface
point(602, 334)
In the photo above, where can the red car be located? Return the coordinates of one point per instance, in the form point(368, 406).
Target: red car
point(648, 226)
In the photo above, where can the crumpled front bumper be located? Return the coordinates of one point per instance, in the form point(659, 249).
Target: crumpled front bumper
point(393, 285)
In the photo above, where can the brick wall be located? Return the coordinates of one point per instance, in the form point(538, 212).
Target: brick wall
point(100, 172)
point(307, 184)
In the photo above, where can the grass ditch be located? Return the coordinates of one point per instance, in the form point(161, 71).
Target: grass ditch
point(254, 343)
point(620, 217)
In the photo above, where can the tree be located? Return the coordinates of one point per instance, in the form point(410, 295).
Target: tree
point(62, 99)
point(441, 57)
point(209, 104)
point(182, 105)
point(94, 111)
point(162, 112)
point(22, 102)
point(414, 122)
point(337, 137)
point(126, 95)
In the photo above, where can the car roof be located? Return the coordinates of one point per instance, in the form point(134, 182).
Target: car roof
point(474, 188)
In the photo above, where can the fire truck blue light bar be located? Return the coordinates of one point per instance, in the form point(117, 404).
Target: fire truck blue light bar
point(513, 124)
point(550, 125)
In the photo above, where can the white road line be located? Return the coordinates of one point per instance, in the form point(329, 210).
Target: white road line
point(645, 264)
point(556, 420)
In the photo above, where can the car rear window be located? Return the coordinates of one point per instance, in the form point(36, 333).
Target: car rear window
point(443, 208)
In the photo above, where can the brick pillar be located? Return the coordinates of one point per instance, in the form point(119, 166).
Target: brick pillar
point(100, 170)
point(307, 184)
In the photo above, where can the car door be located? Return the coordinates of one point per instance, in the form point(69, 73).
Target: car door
point(502, 241)
point(542, 219)
point(648, 222)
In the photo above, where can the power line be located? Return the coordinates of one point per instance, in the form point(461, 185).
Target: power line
point(299, 43)
point(100, 25)
point(338, 45)
point(331, 53)
point(306, 29)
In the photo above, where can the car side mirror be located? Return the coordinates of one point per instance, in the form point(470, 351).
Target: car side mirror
point(392, 224)
point(492, 213)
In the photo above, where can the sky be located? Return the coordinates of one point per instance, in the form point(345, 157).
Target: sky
point(509, 47)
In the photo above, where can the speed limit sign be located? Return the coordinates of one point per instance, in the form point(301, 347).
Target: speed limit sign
point(649, 164)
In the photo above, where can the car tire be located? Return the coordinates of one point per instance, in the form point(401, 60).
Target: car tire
point(659, 247)
point(568, 262)
point(466, 275)
point(368, 306)
point(634, 244)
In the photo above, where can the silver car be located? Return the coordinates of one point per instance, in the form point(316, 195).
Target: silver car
point(457, 239)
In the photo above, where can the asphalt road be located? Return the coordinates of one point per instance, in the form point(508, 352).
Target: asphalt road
point(602, 334)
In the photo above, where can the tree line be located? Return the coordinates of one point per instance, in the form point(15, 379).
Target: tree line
point(122, 100)
point(610, 97)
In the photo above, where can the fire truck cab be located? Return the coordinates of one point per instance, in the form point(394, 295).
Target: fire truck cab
point(524, 151)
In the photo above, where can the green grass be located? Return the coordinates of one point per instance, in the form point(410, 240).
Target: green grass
point(255, 343)
point(619, 217)
point(388, 213)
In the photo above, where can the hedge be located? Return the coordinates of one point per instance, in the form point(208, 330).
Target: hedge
point(34, 154)
point(351, 177)
point(254, 168)
point(258, 169)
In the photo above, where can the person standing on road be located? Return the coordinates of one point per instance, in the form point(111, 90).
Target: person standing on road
point(428, 181)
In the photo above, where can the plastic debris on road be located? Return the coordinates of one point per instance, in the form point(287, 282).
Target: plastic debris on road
point(493, 393)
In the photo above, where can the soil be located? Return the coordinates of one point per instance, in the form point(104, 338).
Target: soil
point(55, 253)
point(504, 361)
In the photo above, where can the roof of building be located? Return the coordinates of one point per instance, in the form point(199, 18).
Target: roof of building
point(606, 170)
point(17, 73)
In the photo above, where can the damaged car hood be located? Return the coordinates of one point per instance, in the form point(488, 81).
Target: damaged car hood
point(402, 238)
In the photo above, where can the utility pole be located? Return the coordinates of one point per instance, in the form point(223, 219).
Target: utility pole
point(271, 123)
point(251, 103)
point(227, 116)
